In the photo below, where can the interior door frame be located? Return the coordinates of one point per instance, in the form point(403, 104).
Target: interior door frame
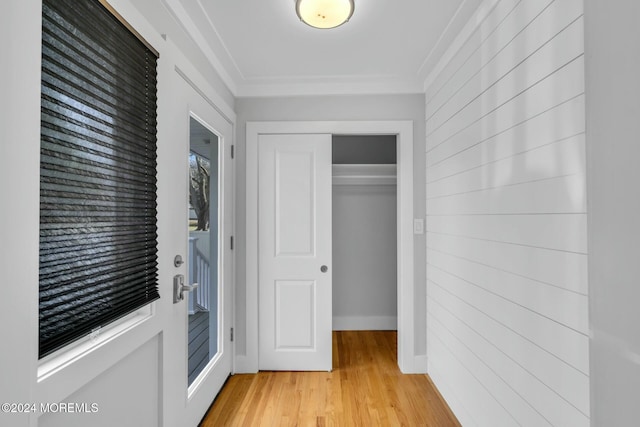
point(408, 362)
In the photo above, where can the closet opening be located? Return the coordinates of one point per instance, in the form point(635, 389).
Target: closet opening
point(257, 132)
point(364, 234)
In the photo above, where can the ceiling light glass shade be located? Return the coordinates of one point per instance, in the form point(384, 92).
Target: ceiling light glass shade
point(324, 13)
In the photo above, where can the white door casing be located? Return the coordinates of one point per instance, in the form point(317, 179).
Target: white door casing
point(295, 252)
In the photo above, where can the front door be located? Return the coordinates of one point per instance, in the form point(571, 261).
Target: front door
point(295, 252)
point(198, 339)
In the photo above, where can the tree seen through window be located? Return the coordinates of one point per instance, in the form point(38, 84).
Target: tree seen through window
point(199, 195)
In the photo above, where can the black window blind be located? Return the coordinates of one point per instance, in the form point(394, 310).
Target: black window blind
point(98, 233)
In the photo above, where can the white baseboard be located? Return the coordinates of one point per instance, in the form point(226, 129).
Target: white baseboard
point(365, 323)
point(245, 365)
point(420, 364)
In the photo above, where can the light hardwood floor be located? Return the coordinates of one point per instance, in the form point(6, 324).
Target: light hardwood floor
point(365, 388)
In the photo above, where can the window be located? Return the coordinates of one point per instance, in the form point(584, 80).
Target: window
point(98, 240)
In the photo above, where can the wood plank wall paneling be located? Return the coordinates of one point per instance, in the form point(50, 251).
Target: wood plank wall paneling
point(506, 219)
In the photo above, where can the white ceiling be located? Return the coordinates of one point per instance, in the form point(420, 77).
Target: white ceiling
point(260, 48)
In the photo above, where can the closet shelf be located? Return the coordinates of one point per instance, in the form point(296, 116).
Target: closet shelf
point(359, 174)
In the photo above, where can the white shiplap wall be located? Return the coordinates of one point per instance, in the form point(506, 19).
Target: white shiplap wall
point(507, 332)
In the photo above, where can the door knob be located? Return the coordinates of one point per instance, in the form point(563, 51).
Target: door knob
point(179, 288)
point(324, 268)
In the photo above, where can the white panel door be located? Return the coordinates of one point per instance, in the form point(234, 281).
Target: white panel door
point(295, 252)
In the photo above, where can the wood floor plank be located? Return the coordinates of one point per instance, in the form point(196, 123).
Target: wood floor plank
point(365, 388)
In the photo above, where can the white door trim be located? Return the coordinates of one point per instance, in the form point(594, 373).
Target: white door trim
point(407, 360)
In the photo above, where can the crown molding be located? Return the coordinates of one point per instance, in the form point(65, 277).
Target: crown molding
point(361, 85)
point(422, 71)
point(181, 16)
point(477, 19)
point(242, 86)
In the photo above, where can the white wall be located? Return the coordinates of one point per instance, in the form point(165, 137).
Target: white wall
point(127, 375)
point(135, 403)
point(506, 218)
point(364, 257)
point(613, 128)
point(19, 196)
point(366, 107)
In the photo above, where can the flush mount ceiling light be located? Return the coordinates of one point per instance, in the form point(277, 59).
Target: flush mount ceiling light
point(324, 13)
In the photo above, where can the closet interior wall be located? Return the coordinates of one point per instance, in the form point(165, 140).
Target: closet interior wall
point(364, 233)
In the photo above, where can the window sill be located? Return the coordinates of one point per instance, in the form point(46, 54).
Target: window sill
point(66, 356)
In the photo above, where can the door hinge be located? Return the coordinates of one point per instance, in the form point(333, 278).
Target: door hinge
point(233, 151)
point(231, 334)
point(231, 242)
